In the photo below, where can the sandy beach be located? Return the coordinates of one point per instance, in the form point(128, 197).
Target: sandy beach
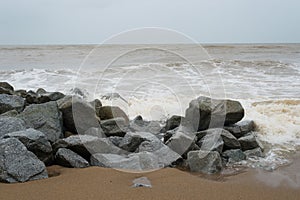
point(103, 183)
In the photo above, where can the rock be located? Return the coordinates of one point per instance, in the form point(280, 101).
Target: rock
point(114, 127)
point(78, 92)
point(131, 141)
point(241, 128)
point(248, 142)
point(41, 91)
point(35, 141)
point(78, 115)
point(110, 112)
point(7, 86)
point(133, 162)
point(141, 182)
point(181, 142)
point(45, 118)
point(116, 140)
point(234, 155)
point(11, 102)
point(166, 156)
point(10, 124)
point(173, 122)
point(208, 162)
point(49, 96)
point(5, 91)
point(257, 152)
point(204, 113)
point(98, 132)
point(86, 145)
point(17, 164)
point(11, 113)
point(97, 105)
point(68, 158)
point(230, 142)
point(21, 93)
point(211, 142)
point(31, 97)
point(145, 126)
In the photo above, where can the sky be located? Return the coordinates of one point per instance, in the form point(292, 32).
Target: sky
point(93, 21)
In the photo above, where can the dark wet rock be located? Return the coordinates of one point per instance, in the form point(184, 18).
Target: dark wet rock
point(257, 152)
point(50, 96)
point(45, 118)
point(7, 86)
point(97, 105)
point(241, 128)
point(31, 97)
point(169, 134)
point(41, 91)
point(5, 91)
point(21, 93)
point(78, 115)
point(35, 141)
point(131, 141)
point(138, 120)
point(11, 102)
point(86, 145)
point(110, 112)
point(98, 132)
point(204, 113)
point(10, 124)
point(17, 164)
point(114, 127)
point(230, 142)
point(67, 158)
point(249, 142)
point(234, 155)
point(11, 113)
point(173, 122)
point(208, 162)
point(137, 161)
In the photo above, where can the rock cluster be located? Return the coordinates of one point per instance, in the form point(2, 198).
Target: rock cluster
point(43, 128)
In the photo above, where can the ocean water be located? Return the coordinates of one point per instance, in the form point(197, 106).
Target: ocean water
point(157, 81)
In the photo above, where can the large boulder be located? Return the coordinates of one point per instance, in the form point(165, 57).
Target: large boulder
point(10, 124)
point(17, 164)
point(204, 113)
point(78, 114)
point(45, 118)
point(114, 127)
point(208, 162)
point(67, 158)
point(134, 162)
point(6, 88)
point(86, 145)
point(11, 102)
point(241, 128)
point(35, 141)
point(131, 141)
point(109, 112)
point(249, 141)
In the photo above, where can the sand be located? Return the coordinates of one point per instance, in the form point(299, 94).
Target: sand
point(168, 184)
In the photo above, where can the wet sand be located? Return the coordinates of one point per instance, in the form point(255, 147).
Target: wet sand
point(108, 184)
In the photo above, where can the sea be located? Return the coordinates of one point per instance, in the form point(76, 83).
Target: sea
point(158, 81)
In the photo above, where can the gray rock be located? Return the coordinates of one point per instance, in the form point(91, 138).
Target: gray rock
point(11, 102)
point(17, 164)
point(211, 142)
point(114, 127)
point(35, 141)
point(141, 182)
point(11, 113)
point(131, 141)
point(204, 113)
point(98, 132)
point(208, 162)
point(145, 126)
point(86, 145)
point(50, 96)
point(97, 105)
point(67, 158)
point(78, 115)
point(10, 124)
point(241, 128)
point(5, 91)
point(230, 142)
point(248, 142)
point(110, 112)
point(234, 155)
point(257, 152)
point(7, 86)
point(133, 162)
point(45, 118)
point(116, 140)
point(173, 122)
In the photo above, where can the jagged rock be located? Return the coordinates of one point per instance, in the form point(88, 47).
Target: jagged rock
point(45, 118)
point(230, 142)
point(173, 122)
point(10, 124)
point(50, 96)
point(17, 164)
point(211, 142)
point(78, 115)
point(21, 93)
point(131, 141)
point(136, 162)
point(97, 105)
point(11, 113)
point(257, 152)
point(67, 158)
point(114, 127)
point(11, 102)
point(98, 132)
point(241, 128)
point(207, 162)
point(234, 155)
point(204, 113)
point(145, 126)
point(116, 140)
point(35, 141)
point(7, 86)
point(86, 145)
point(248, 142)
point(110, 112)
point(5, 91)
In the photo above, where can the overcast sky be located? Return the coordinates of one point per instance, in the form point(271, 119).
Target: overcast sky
point(92, 21)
